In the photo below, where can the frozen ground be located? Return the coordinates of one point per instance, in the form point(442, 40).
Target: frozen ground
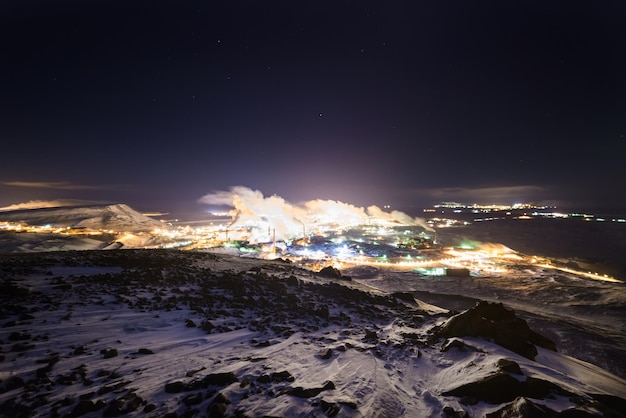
point(586, 317)
point(168, 333)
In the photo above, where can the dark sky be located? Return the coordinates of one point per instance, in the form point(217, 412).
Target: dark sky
point(156, 103)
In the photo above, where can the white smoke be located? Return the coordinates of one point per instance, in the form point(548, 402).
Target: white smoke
point(269, 217)
point(41, 204)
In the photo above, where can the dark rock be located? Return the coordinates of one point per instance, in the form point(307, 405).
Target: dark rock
point(114, 409)
point(220, 398)
point(473, 393)
point(322, 312)
point(326, 354)
point(216, 410)
point(370, 336)
point(206, 326)
point(493, 320)
point(581, 413)
point(80, 350)
point(149, 408)
point(292, 281)
point(190, 373)
point(539, 388)
point(67, 401)
point(130, 402)
point(613, 402)
point(110, 388)
point(349, 404)
point(509, 366)
point(264, 343)
point(108, 353)
point(330, 272)
point(190, 413)
point(193, 399)
point(404, 296)
point(219, 379)
point(450, 412)
point(330, 408)
point(123, 405)
point(87, 395)
point(19, 336)
point(83, 407)
point(145, 351)
point(283, 376)
point(502, 387)
point(461, 345)
point(276, 377)
point(19, 347)
point(264, 378)
point(13, 382)
point(523, 408)
point(301, 392)
point(175, 387)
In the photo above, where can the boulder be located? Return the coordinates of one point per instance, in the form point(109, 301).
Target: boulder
point(331, 409)
point(494, 321)
point(333, 273)
point(219, 379)
point(330, 272)
point(508, 366)
point(502, 387)
point(301, 392)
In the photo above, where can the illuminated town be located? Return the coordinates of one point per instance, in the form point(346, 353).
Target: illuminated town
point(342, 236)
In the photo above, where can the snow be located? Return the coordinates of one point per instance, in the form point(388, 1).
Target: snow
point(377, 351)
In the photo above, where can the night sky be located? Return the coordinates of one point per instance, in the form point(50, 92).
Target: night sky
point(157, 103)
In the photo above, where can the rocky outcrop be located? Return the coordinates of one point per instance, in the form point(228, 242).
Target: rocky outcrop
point(525, 408)
point(333, 273)
point(502, 387)
point(494, 321)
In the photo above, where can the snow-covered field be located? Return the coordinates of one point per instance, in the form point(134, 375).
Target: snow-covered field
point(169, 333)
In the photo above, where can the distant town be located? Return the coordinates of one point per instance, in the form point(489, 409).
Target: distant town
point(382, 242)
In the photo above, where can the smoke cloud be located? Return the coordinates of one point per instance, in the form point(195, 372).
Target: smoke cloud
point(40, 204)
point(273, 215)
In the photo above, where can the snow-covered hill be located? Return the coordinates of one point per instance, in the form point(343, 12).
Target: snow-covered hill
point(116, 217)
point(168, 333)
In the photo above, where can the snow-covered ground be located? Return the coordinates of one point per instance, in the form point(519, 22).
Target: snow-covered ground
point(169, 333)
point(586, 317)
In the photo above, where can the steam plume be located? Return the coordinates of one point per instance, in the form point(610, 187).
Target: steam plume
point(40, 204)
point(264, 215)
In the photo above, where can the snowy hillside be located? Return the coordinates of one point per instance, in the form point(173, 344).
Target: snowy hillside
point(168, 333)
point(117, 217)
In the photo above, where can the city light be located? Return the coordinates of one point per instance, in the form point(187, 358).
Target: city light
point(323, 233)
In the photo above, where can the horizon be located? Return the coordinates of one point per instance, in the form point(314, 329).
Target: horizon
point(202, 210)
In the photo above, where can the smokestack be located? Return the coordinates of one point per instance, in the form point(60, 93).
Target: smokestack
point(274, 232)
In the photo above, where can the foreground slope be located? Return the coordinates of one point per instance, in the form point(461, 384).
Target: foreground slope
point(167, 333)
